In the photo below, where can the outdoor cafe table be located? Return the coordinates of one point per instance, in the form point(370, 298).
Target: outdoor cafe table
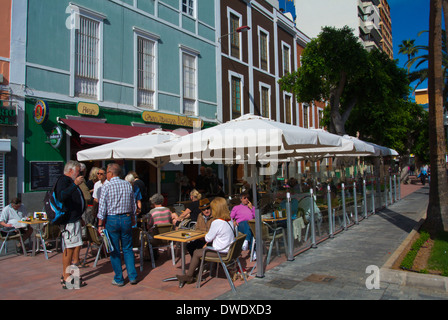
point(274, 219)
point(183, 236)
point(39, 222)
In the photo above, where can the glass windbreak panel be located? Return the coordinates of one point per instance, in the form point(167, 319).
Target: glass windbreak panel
point(337, 199)
point(326, 198)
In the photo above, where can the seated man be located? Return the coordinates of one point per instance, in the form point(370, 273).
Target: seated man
point(11, 216)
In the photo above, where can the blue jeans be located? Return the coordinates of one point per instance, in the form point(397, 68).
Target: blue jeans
point(120, 230)
point(243, 227)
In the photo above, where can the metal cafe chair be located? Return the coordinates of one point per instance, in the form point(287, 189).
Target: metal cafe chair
point(271, 235)
point(95, 239)
point(157, 243)
point(229, 258)
point(11, 234)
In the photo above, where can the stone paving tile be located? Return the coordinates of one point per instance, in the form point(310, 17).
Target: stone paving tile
point(346, 257)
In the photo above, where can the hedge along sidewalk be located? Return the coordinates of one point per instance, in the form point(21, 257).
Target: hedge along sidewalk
point(412, 279)
point(408, 260)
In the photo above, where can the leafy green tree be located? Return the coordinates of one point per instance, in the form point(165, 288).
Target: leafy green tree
point(383, 111)
point(367, 91)
point(332, 66)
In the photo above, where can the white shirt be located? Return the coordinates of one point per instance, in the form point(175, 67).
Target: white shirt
point(10, 216)
point(97, 189)
point(221, 233)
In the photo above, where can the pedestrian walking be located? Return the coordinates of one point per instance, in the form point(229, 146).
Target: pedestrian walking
point(116, 213)
point(68, 192)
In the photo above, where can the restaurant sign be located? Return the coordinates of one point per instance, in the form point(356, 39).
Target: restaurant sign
point(55, 137)
point(88, 109)
point(40, 112)
point(8, 116)
point(164, 118)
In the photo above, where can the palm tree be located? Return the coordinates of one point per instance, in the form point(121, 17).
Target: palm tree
point(408, 48)
point(421, 75)
point(437, 212)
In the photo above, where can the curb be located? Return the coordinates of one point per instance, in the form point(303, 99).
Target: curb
point(406, 278)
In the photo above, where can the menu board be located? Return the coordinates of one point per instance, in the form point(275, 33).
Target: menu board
point(44, 174)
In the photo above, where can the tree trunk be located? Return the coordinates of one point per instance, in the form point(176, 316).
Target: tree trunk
point(337, 123)
point(437, 213)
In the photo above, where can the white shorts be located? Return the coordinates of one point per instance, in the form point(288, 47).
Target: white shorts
point(72, 235)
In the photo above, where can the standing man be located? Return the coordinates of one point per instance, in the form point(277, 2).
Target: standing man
point(116, 213)
point(68, 192)
point(97, 192)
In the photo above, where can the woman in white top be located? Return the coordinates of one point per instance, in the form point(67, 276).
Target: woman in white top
point(221, 235)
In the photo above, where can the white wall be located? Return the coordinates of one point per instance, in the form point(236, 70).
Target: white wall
point(315, 14)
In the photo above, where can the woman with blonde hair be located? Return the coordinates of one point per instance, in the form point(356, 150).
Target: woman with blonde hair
point(93, 178)
point(192, 211)
point(221, 235)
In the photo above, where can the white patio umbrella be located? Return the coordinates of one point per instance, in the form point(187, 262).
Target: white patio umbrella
point(351, 147)
point(383, 151)
point(248, 138)
point(139, 147)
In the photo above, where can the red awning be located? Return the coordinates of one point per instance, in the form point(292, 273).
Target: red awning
point(101, 133)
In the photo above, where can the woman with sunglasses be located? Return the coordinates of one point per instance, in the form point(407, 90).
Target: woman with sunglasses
point(203, 224)
point(221, 235)
point(241, 214)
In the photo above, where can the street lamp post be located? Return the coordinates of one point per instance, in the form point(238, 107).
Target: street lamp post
point(238, 30)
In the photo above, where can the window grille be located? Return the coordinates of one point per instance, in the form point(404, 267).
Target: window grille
point(87, 58)
point(265, 102)
point(264, 51)
point(146, 73)
point(234, 36)
point(236, 97)
point(288, 118)
point(286, 63)
point(189, 79)
point(305, 116)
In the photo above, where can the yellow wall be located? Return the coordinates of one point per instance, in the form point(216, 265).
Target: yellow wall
point(421, 97)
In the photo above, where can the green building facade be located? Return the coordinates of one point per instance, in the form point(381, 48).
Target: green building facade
point(111, 62)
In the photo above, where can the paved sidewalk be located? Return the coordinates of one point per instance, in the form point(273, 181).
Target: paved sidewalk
point(336, 269)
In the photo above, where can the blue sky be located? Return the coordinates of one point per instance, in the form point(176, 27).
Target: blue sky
point(408, 19)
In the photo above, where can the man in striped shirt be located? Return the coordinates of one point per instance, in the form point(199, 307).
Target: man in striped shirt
point(159, 214)
point(116, 212)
